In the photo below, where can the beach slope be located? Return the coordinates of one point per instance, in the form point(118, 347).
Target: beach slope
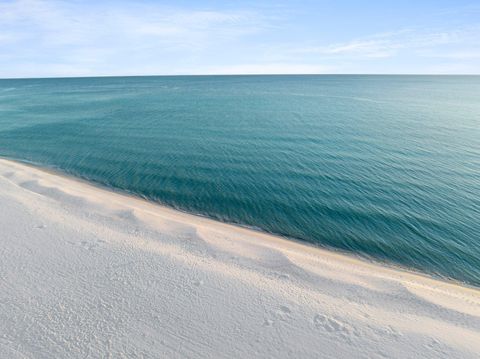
point(89, 273)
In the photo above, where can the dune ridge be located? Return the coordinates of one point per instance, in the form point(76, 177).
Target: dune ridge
point(87, 272)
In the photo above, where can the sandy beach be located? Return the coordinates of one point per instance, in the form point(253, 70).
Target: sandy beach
point(90, 273)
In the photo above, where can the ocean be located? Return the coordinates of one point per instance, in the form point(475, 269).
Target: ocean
point(384, 167)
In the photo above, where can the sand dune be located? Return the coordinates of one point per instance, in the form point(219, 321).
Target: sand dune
point(88, 273)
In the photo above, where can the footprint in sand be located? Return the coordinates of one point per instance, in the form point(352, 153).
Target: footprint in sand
point(331, 325)
point(281, 276)
point(91, 245)
point(8, 174)
point(283, 313)
point(267, 323)
point(198, 283)
point(285, 309)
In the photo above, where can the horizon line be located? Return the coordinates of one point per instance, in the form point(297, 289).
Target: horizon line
point(232, 75)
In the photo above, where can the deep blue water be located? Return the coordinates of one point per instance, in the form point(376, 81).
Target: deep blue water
point(387, 167)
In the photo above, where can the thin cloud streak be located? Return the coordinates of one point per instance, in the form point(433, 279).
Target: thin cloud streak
point(388, 45)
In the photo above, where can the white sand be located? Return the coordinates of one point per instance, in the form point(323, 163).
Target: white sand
point(87, 273)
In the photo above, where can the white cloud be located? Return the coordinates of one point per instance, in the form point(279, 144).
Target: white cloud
point(76, 38)
point(101, 37)
point(454, 54)
point(269, 69)
point(58, 22)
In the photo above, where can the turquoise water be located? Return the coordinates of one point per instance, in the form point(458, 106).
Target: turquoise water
point(386, 167)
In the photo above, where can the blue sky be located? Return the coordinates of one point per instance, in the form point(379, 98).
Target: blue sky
point(45, 38)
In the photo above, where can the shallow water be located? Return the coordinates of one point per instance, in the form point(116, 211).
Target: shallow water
point(386, 167)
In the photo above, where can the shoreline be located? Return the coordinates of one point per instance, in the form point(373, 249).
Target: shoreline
point(88, 271)
point(323, 250)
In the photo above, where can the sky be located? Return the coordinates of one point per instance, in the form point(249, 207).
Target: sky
point(61, 38)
